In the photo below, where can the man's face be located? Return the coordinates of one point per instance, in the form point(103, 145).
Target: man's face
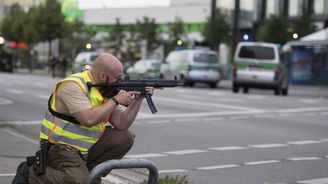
point(108, 78)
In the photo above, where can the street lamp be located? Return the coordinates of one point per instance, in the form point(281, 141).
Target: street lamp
point(88, 46)
point(295, 36)
point(179, 42)
point(2, 40)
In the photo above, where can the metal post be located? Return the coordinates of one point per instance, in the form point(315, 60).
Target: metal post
point(105, 168)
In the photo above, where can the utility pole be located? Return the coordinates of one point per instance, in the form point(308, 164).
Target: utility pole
point(235, 27)
point(213, 14)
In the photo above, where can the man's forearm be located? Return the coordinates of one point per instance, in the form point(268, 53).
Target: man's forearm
point(130, 114)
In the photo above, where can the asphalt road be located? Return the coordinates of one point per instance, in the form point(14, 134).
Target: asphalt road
point(210, 135)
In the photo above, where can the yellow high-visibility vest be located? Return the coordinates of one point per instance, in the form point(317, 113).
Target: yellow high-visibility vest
point(59, 131)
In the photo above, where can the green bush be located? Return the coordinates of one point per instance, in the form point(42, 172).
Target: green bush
point(171, 180)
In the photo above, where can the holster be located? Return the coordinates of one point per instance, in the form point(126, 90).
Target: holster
point(40, 158)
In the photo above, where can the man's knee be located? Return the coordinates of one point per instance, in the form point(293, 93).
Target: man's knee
point(125, 139)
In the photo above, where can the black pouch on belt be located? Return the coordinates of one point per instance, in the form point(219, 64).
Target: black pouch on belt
point(40, 158)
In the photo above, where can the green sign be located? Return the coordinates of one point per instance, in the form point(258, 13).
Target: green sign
point(71, 11)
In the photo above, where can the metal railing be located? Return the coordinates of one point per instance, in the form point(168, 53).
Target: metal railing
point(105, 168)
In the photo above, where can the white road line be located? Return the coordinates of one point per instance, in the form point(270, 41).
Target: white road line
point(206, 104)
point(272, 145)
point(286, 115)
point(214, 119)
point(159, 122)
point(184, 152)
point(300, 109)
point(264, 116)
point(186, 120)
point(147, 155)
point(262, 162)
point(113, 179)
point(4, 101)
point(303, 158)
point(172, 171)
point(255, 97)
point(43, 96)
point(216, 93)
point(238, 117)
point(15, 91)
point(8, 174)
point(323, 140)
point(309, 101)
point(218, 167)
point(8, 131)
point(37, 122)
point(228, 148)
point(304, 142)
point(314, 181)
point(231, 100)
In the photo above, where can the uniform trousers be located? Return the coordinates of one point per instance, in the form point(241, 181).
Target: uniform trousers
point(67, 166)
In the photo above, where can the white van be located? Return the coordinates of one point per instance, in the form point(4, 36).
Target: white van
point(258, 65)
point(84, 60)
point(192, 66)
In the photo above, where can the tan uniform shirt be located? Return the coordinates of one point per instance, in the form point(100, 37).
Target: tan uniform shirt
point(71, 99)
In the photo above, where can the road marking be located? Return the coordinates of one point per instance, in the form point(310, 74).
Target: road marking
point(262, 162)
point(264, 116)
point(286, 115)
point(37, 122)
point(228, 148)
point(184, 152)
point(185, 120)
point(231, 100)
point(218, 167)
point(10, 132)
point(272, 145)
point(43, 96)
point(8, 174)
point(255, 97)
point(256, 113)
point(323, 140)
point(309, 101)
point(206, 104)
point(147, 155)
point(159, 122)
point(4, 101)
point(303, 158)
point(304, 142)
point(172, 171)
point(216, 93)
point(214, 119)
point(314, 181)
point(14, 91)
point(238, 117)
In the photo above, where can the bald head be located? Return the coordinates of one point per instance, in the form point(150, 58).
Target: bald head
point(107, 65)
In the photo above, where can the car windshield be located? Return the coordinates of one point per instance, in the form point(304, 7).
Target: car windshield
point(256, 52)
point(205, 58)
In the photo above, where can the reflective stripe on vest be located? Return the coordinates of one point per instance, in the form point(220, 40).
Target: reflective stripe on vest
point(64, 132)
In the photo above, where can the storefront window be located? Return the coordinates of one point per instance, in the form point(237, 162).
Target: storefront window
point(294, 8)
point(318, 6)
point(270, 8)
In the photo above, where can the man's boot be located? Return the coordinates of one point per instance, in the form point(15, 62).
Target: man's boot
point(22, 174)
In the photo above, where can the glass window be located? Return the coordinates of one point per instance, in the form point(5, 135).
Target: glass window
point(294, 8)
point(205, 58)
point(270, 8)
point(318, 7)
point(256, 52)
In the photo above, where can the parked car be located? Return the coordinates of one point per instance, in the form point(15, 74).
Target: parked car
point(192, 66)
point(258, 65)
point(145, 69)
point(84, 60)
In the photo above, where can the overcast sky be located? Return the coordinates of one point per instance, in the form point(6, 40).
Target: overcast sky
point(86, 4)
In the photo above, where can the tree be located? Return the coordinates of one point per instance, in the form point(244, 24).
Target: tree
point(176, 32)
point(217, 30)
point(303, 26)
point(49, 21)
point(13, 24)
point(116, 37)
point(275, 30)
point(147, 31)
